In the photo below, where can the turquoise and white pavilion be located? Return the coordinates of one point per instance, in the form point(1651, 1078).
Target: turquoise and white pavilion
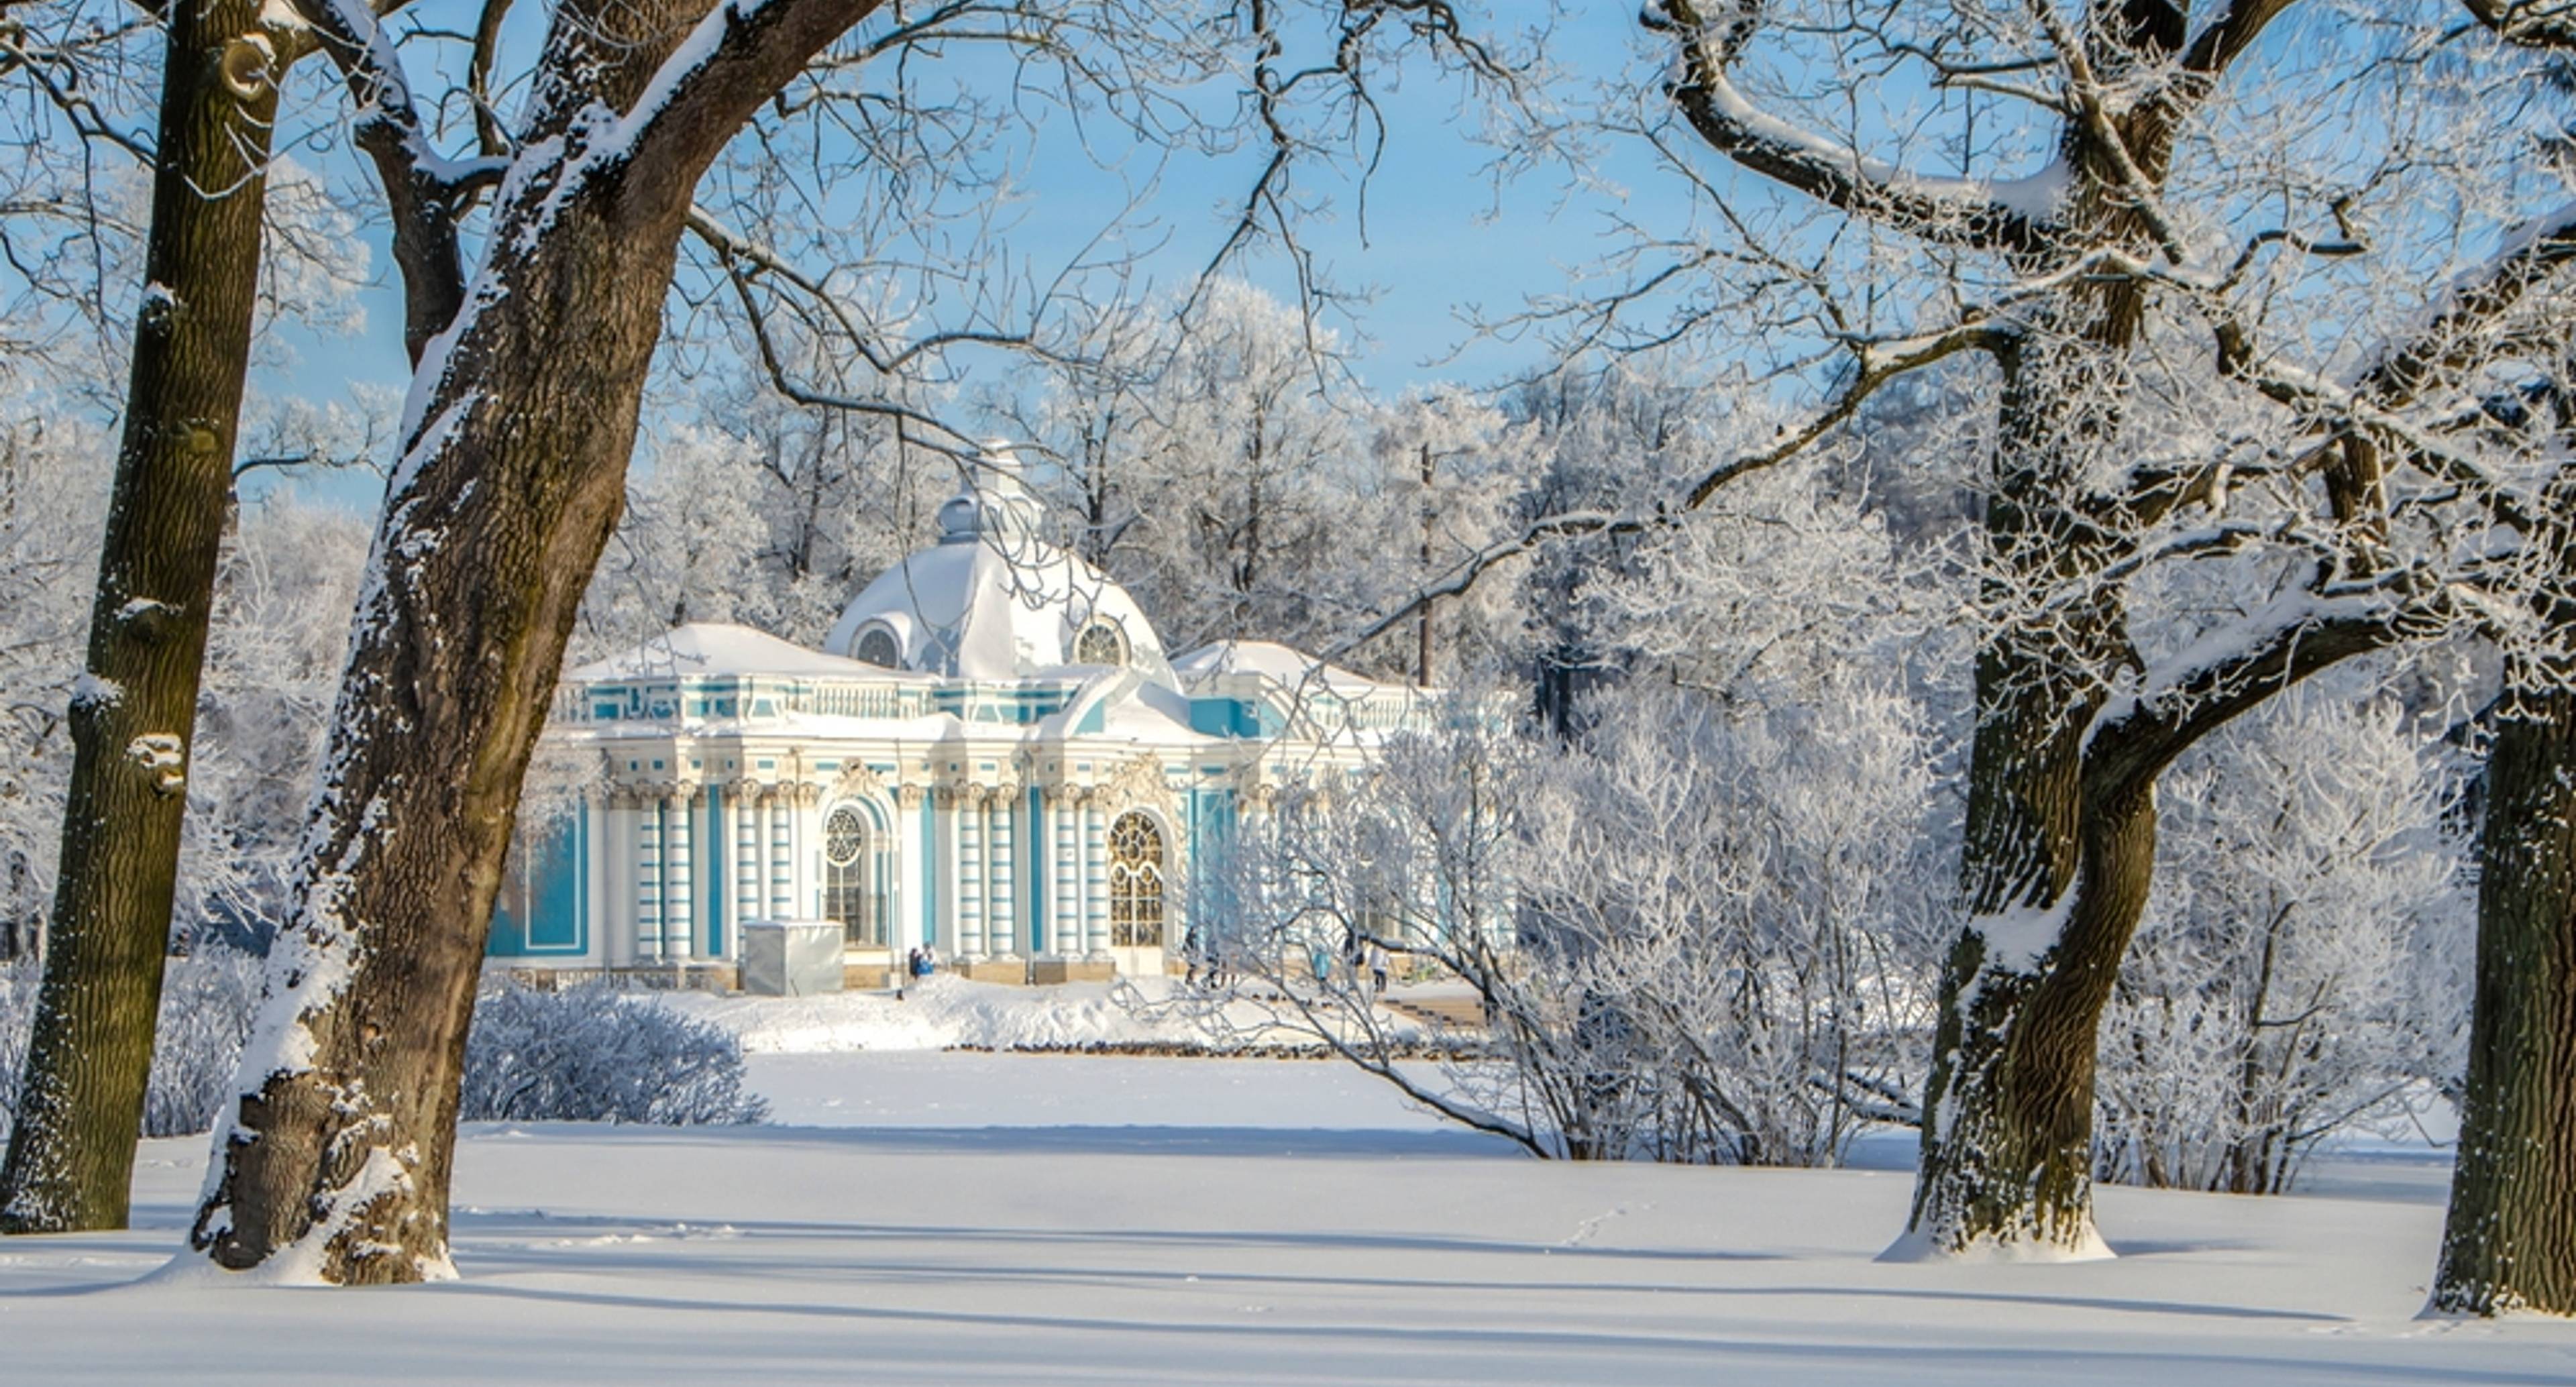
point(992, 755)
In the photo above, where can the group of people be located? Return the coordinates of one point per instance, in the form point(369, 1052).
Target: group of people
point(917, 966)
point(1357, 953)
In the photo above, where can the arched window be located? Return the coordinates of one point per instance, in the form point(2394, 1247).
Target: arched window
point(1135, 882)
point(877, 646)
point(1100, 644)
point(847, 893)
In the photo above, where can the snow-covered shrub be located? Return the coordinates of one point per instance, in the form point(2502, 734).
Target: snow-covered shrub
point(206, 1004)
point(2303, 966)
point(1697, 935)
point(595, 1054)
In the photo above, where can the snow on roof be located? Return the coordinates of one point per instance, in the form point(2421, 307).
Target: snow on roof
point(992, 601)
point(1278, 663)
point(715, 647)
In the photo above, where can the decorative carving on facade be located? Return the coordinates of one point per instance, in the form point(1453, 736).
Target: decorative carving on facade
point(908, 796)
point(1138, 780)
point(859, 782)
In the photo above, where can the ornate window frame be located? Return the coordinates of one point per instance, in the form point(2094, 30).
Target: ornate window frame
point(1086, 649)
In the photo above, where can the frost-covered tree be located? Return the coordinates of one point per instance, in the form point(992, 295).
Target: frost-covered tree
point(53, 484)
point(1703, 926)
point(2196, 306)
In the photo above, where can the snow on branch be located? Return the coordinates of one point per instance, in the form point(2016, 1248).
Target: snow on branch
point(2200, 688)
point(2545, 24)
point(1986, 215)
point(425, 191)
point(2457, 324)
point(740, 54)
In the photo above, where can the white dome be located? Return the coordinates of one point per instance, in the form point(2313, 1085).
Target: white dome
point(991, 600)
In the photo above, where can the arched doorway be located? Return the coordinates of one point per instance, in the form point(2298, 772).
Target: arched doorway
point(851, 893)
point(1137, 875)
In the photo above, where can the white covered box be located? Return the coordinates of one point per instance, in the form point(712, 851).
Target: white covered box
point(791, 958)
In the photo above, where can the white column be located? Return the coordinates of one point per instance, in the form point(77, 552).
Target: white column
point(594, 875)
point(809, 878)
point(776, 882)
point(970, 873)
point(911, 872)
point(1095, 874)
point(1065, 933)
point(679, 883)
point(745, 806)
point(615, 846)
point(951, 907)
point(1001, 902)
point(648, 879)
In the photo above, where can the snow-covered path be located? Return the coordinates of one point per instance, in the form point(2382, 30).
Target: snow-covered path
point(1036, 1219)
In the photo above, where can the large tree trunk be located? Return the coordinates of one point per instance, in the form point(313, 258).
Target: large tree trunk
point(336, 1164)
point(2510, 1241)
point(516, 481)
point(2052, 880)
point(133, 716)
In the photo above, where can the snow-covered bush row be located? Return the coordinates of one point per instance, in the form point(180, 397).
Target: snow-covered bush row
point(590, 1054)
point(595, 1054)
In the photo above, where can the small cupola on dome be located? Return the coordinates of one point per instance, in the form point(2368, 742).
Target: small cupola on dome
point(994, 506)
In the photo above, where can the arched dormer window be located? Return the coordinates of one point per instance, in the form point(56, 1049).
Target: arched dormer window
point(877, 646)
point(1100, 643)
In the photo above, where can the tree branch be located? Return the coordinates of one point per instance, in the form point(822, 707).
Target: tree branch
point(425, 192)
point(739, 55)
point(1877, 365)
point(1951, 211)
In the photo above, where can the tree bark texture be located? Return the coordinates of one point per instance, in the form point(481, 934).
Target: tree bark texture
point(133, 715)
point(336, 1164)
point(2055, 864)
point(2510, 1240)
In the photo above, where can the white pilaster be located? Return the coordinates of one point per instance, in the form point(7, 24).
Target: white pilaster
point(1064, 935)
point(679, 882)
point(1095, 875)
point(780, 877)
point(743, 804)
point(648, 879)
point(903, 928)
point(615, 848)
point(970, 874)
point(1001, 900)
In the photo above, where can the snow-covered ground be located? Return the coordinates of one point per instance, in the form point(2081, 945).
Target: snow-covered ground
point(951, 1012)
point(918, 1217)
